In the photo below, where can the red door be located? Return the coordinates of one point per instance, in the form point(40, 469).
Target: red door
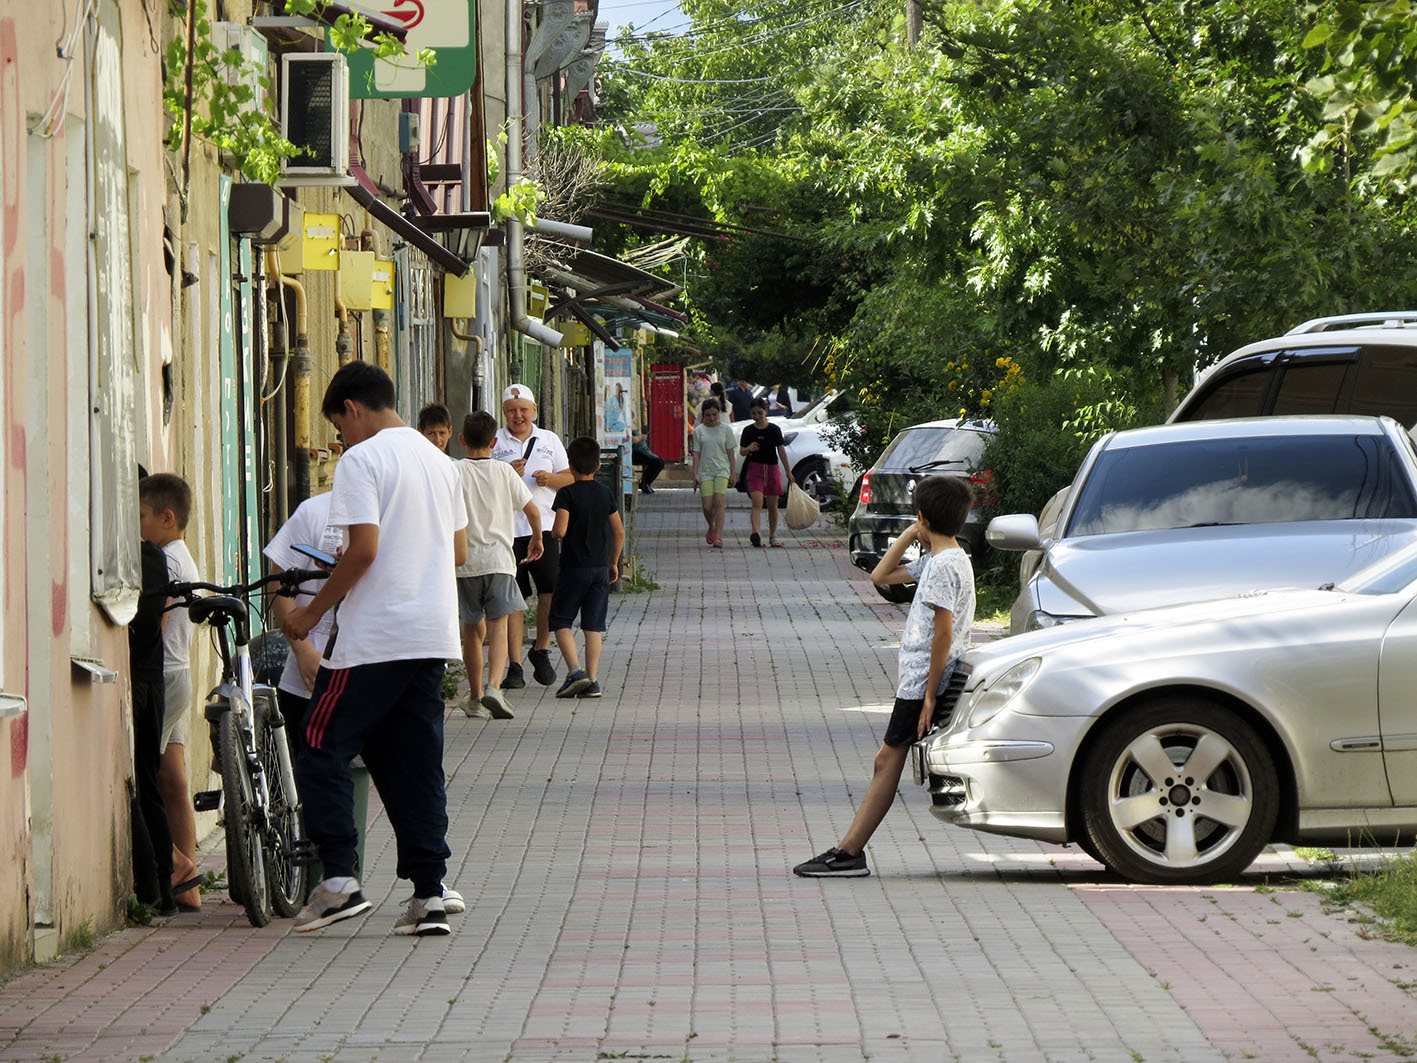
point(666, 411)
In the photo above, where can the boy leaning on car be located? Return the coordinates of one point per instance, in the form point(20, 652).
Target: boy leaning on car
point(937, 631)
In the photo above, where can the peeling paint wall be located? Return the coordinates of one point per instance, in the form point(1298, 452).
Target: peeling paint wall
point(64, 835)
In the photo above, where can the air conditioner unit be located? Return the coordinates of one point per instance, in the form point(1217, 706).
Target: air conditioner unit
point(314, 113)
point(251, 69)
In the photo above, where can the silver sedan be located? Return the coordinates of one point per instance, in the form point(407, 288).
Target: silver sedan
point(1173, 744)
point(1183, 512)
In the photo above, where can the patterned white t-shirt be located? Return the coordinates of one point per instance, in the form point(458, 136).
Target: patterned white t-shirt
point(945, 579)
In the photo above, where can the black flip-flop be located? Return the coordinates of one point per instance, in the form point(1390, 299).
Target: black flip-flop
point(190, 884)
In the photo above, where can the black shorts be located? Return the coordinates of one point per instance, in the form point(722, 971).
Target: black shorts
point(541, 573)
point(904, 728)
point(581, 590)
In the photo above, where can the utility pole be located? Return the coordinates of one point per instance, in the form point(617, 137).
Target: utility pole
point(913, 22)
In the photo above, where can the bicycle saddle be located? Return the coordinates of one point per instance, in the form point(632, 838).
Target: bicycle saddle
point(202, 609)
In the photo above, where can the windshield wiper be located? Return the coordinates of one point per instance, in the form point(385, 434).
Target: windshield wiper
point(936, 464)
point(1215, 524)
point(1325, 586)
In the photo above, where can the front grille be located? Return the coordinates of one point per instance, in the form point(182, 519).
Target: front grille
point(949, 698)
point(947, 791)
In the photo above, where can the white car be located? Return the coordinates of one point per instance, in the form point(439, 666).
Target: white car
point(818, 466)
point(1173, 744)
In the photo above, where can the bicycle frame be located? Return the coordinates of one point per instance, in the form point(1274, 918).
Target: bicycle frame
point(263, 838)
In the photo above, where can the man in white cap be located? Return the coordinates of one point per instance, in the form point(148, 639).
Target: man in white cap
point(540, 458)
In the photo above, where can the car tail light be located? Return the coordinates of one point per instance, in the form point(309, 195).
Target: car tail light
point(865, 489)
point(983, 481)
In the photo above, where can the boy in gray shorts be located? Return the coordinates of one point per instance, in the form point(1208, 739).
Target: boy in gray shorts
point(487, 583)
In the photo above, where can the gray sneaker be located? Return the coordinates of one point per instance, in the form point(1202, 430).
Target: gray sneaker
point(425, 918)
point(495, 705)
point(326, 907)
point(474, 709)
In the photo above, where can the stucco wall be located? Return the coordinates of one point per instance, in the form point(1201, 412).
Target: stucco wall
point(64, 843)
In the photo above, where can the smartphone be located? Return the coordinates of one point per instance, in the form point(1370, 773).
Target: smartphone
point(316, 555)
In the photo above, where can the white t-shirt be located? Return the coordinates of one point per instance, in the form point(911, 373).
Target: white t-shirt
point(177, 633)
point(547, 454)
point(945, 580)
point(494, 495)
point(405, 606)
point(308, 526)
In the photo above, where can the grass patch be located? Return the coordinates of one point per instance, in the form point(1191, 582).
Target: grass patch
point(139, 914)
point(1390, 893)
point(635, 577)
point(992, 602)
point(454, 675)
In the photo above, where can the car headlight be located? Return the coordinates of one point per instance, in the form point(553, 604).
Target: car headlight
point(993, 696)
point(1039, 619)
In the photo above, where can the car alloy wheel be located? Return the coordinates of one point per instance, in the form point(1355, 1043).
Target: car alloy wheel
point(1179, 791)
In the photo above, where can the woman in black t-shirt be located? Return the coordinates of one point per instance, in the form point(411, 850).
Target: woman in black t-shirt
point(763, 448)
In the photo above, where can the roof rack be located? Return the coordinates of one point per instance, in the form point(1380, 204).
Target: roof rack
point(1388, 319)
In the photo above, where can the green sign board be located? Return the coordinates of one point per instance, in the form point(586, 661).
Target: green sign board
point(449, 27)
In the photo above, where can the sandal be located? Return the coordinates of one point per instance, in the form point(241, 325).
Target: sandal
point(775, 542)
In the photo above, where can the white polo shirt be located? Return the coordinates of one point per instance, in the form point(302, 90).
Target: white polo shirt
point(547, 454)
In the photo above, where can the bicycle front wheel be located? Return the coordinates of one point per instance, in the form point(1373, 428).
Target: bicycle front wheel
point(245, 863)
point(286, 871)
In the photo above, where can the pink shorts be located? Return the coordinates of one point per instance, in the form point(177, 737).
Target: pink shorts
point(764, 478)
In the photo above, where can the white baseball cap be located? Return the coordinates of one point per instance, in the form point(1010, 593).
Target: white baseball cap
point(518, 391)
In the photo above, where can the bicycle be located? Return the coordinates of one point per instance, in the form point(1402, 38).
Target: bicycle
point(268, 857)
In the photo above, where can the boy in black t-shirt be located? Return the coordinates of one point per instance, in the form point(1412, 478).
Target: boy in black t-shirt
point(591, 533)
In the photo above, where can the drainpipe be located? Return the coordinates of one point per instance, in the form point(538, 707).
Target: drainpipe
point(300, 366)
point(381, 317)
point(516, 264)
point(344, 344)
point(579, 234)
point(279, 355)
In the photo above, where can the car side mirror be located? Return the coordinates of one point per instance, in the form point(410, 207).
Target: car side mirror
point(1014, 531)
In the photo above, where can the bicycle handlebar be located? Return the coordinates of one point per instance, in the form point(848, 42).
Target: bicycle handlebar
point(289, 579)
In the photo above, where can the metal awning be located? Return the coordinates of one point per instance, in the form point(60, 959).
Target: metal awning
point(392, 219)
point(599, 277)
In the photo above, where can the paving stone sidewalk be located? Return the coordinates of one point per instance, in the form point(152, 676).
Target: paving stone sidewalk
point(626, 864)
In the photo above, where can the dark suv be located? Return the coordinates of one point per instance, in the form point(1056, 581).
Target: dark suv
point(1356, 363)
point(885, 505)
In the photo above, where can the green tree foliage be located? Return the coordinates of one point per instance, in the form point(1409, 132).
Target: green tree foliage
point(1369, 120)
point(1099, 196)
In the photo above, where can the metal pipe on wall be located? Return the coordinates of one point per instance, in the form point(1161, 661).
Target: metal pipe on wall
point(516, 264)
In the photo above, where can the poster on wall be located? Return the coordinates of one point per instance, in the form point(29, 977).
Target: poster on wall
point(614, 393)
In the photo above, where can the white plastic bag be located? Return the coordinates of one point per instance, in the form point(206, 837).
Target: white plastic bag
point(802, 508)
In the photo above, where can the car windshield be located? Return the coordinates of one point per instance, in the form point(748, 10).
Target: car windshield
point(921, 449)
point(1253, 480)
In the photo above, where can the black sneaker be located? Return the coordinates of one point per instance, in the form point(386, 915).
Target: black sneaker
point(514, 679)
point(541, 669)
point(834, 863)
point(574, 684)
point(755, 539)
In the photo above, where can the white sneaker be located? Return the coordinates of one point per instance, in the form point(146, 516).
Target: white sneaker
point(495, 705)
point(475, 710)
point(425, 918)
point(326, 907)
point(453, 903)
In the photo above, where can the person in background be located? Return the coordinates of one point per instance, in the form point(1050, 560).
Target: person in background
point(591, 533)
point(436, 423)
point(779, 404)
point(740, 396)
point(164, 507)
point(487, 581)
point(713, 469)
point(765, 450)
point(651, 463)
point(539, 459)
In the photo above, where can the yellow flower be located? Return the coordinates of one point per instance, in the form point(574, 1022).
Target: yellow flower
point(954, 384)
point(949, 365)
point(986, 395)
point(1001, 362)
